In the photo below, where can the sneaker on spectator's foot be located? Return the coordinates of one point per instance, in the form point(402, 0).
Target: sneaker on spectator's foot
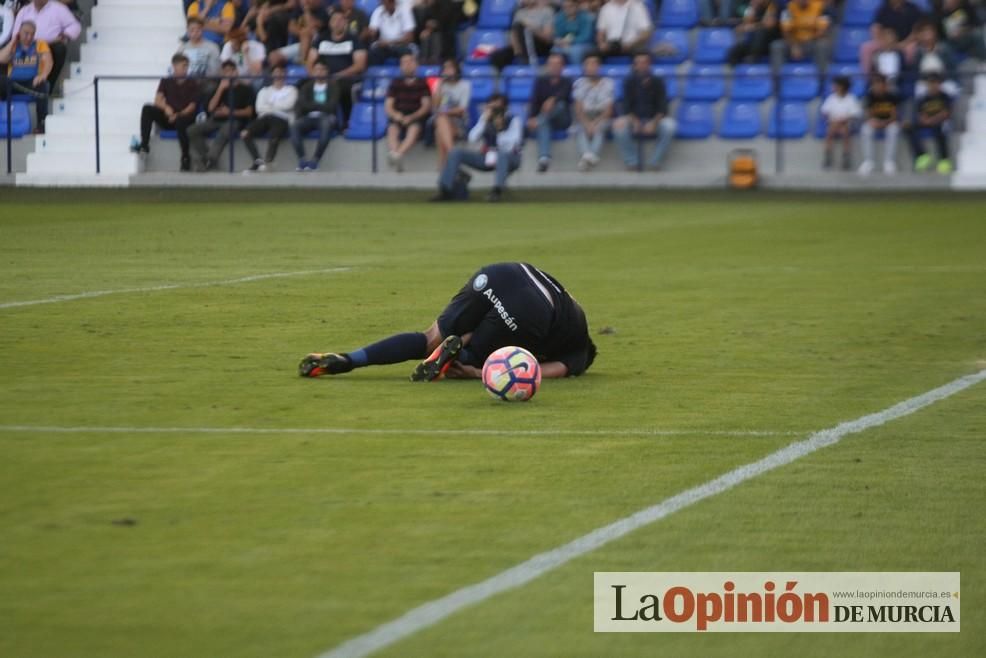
point(945, 167)
point(495, 195)
point(264, 167)
point(209, 164)
point(438, 362)
point(392, 158)
point(255, 167)
point(889, 167)
point(866, 168)
point(922, 162)
point(329, 363)
point(584, 163)
point(302, 166)
point(543, 164)
point(593, 159)
point(443, 195)
point(186, 163)
point(312, 165)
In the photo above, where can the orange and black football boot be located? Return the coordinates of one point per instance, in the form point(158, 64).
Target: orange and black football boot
point(438, 362)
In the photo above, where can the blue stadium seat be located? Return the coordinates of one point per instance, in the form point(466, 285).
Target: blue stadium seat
point(573, 71)
point(679, 13)
point(483, 80)
point(617, 73)
point(713, 44)
point(670, 77)
point(751, 82)
point(740, 120)
point(296, 73)
point(377, 81)
point(851, 71)
point(789, 120)
point(367, 5)
point(484, 42)
point(495, 14)
point(361, 122)
point(705, 83)
point(860, 12)
point(676, 39)
point(799, 82)
point(847, 43)
point(429, 70)
point(695, 120)
point(20, 120)
point(519, 82)
point(519, 110)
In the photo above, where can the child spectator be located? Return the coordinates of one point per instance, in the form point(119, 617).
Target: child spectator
point(451, 113)
point(218, 16)
point(549, 108)
point(317, 103)
point(840, 108)
point(757, 30)
point(220, 115)
point(646, 102)
point(622, 28)
point(173, 109)
point(931, 114)
point(407, 106)
point(881, 116)
point(275, 109)
point(248, 54)
point(573, 32)
point(594, 96)
point(391, 32)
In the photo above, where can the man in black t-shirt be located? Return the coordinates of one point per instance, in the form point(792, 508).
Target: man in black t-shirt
point(220, 114)
point(880, 105)
point(173, 108)
point(500, 305)
point(931, 114)
point(345, 57)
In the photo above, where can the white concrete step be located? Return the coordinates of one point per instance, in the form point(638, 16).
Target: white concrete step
point(84, 145)
point(139, 16)
point(57, 163)
point(102, 53)
point(127, 68)
point(64, 125)
point(72, 180)
point(128, 36)
point(109, 90)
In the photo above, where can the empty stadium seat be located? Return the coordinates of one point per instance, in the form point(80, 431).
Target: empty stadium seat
point(751, 82)
point(670, 77)
point(676, 39)
point(483, 42)
point(483, 80)
point(519, 82)
point(361, 122)
point(860, 12)
point(679, 13)
point(788, 120)
point(740, 120)
point(847, 43)
point(367, 5)
point(495, 14)
point(695, 120)
point(20, 120)
point(296, 73)
point(713, 44)
point(705, 83)
point(799, 82)
point(851, 71)
point(377, 81)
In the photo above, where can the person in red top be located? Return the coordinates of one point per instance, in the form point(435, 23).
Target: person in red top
point(173, 109)
point(407, 106)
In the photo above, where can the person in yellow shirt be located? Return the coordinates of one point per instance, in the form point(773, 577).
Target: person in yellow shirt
point(218, 16)
point(804, 33)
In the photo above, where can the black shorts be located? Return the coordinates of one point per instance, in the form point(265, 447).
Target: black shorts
point(500, 306)
point(403, 129)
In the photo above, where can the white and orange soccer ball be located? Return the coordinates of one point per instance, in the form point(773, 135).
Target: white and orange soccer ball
point(512, 374)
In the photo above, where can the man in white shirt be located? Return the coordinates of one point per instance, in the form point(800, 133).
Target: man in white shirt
point(391, 32)
point(623, 27)
point(56, 26)
point(275, 109)
point(6, 24)
point(500, 135)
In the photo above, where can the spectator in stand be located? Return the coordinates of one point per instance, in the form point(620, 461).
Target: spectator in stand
point(248, 54)
point(594, 97)
point(574, 36)
point(549, 109)
point(344, 55)
point(623, 28)
point(531, 34)
point(56, 26)
point(717, 12)
point(391, 32)
point(318, 100)
point(220, 115)
point(218, 16)
point(407, 106)
point(501, 135)
point(881, 116)
point(841, 109)
point(29, 64)
point(931, 114)
point(961, 26)
point(804, 34)
point(203, 56)
point(437, 23)
point(646, 103)
point(755, 33)
point(6, 25)
point(307, 21)
point(269, 20)
point(933, 55)
point(357, 22)
point(275, 109)
point(173, 108)
point(899, 15)
point(451, 109)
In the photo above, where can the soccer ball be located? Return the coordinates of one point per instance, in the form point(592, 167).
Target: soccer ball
point(512, 374)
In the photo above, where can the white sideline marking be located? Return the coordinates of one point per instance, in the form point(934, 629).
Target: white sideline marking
point(168, 286)
point(435, 611)
point(42, 429)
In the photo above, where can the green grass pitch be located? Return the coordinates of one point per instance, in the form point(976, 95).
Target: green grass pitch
point(774, 314)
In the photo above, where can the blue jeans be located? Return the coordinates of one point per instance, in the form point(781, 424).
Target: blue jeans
point(303, 125)
point(585, 144)
point(557, 118)
point(630, 149)
point(506, 163)
point(575, 52)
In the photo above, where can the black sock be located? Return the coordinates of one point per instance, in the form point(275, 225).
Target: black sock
point(396, 349)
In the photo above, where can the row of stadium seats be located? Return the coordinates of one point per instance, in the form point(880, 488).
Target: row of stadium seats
point(19, 119)
point(711, 44)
